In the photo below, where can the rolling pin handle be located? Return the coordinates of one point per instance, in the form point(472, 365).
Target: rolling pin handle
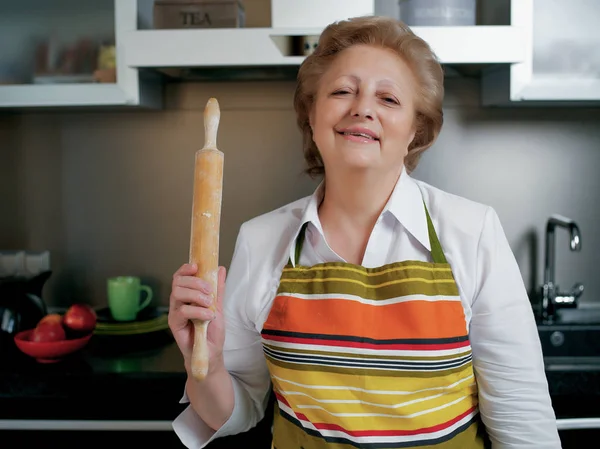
point(212, 115)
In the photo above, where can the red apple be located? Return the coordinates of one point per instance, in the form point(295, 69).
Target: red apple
point(48, 331)
point(80, 318)
point(51, 318)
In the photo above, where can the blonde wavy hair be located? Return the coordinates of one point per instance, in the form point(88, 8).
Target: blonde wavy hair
point(383, 32)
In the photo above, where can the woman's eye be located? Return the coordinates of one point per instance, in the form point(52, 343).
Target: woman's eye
point(341, 92)
point(390, 100)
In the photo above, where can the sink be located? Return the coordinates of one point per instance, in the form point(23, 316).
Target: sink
point(589, 315)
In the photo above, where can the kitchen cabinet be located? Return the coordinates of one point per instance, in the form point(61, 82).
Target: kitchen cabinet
point(60, 54)
point(562, 63)
point(39, 31)
point(276, 46)
point(532, 52)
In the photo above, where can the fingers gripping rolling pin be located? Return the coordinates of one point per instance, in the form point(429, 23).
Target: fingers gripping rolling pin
point(206, 217)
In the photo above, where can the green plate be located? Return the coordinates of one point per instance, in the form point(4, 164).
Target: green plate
point(150, 320)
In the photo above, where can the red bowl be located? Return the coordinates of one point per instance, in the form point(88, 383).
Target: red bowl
point(50, 351)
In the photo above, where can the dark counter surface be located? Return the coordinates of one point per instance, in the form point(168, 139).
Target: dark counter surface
point(109, 380)
point(105, 380)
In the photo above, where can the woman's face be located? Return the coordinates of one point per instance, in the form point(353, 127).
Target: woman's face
point(363, 115)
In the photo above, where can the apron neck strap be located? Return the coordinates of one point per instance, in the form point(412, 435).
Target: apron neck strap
point(437, 254)
point(299, 243)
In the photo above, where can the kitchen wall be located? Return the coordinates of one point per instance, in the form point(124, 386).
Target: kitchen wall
point(9, 182)
point(109, 193)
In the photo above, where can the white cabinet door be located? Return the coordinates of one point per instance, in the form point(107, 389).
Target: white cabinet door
point(563, 63)
point(566, 50)
point(58, 54)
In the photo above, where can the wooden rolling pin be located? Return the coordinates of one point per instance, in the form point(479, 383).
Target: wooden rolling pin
point(206, 217)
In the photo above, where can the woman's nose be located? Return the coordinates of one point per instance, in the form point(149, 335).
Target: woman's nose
point(362, 108)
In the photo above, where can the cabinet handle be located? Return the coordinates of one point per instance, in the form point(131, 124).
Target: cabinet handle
point(578, 423)
point(138, 425)
point(59, 424)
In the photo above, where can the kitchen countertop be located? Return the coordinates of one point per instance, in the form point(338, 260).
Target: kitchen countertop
point(109, 385)
point(103, 381)
point(146, 384)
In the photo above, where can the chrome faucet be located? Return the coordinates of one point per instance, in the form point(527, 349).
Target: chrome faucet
point(552, 297)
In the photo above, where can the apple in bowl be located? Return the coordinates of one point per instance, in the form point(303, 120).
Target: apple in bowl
point(56, 336)
point(79, 320)
point(51, 318)
point(48, 331)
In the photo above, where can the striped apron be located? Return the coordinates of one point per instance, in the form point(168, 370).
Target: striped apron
point(371, 357)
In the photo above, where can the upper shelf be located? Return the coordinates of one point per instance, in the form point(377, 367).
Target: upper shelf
point(248, 47)
point(524, 63)
point(64, 95)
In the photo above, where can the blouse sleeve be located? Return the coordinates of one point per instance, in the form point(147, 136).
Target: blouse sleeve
point(243, 358)
point(513, 391)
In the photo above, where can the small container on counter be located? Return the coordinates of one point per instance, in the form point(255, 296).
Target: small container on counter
point(178, 14)
point(438, 12)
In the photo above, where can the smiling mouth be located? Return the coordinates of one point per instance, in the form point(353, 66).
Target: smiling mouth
point(363, 135)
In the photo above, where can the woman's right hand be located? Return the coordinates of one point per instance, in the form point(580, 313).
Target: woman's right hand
point(190, 300)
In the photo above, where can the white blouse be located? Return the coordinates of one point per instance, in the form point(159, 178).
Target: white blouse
point(507, 358)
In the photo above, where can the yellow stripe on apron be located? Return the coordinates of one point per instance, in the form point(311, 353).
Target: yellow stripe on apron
point(371, 357)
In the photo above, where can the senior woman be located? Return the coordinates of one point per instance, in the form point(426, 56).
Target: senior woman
point(382, 311)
